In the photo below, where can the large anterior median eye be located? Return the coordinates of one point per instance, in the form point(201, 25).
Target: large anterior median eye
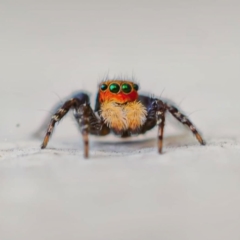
point(114, 88)
point(104, 87)
point(126, 88)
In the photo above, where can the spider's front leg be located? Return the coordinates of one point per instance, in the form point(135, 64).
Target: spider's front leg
point(159, 108)
point(88, 123)
point(155, 116)
point(83, 114)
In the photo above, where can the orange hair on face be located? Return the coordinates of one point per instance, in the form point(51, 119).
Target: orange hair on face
point(119, 97)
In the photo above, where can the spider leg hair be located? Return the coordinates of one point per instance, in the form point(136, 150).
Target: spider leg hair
point(161, 123)
point(184, 120)
point(158, 108)
point(82, 112)
point(60, 113)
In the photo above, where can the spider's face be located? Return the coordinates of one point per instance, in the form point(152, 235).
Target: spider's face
point(119, 106)
point(118, 91)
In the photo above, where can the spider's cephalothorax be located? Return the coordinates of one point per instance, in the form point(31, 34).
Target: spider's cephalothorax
point(119, 109)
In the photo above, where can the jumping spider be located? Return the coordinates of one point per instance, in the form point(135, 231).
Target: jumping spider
point(119, 109)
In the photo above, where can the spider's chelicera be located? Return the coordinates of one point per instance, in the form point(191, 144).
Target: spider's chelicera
point(119, 109)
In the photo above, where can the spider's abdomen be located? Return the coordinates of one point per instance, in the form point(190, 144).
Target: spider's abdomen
point(123, 117)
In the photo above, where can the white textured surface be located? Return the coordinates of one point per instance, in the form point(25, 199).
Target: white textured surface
point(189, 192)
point(125, 190)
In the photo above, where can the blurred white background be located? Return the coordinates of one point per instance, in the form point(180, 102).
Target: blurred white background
point(51, 48)
point(189, 49)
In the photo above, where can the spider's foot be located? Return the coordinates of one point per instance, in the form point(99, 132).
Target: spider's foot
point(199, 138)
point(45, 142)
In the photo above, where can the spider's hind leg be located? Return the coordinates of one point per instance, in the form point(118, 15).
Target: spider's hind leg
point(184, 120)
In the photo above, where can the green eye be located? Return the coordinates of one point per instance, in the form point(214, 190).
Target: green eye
point(104, 87)
point(135, 86)
point(114, 88)
point(126, 88)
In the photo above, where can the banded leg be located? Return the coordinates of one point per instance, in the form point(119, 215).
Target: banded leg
point(82, 116)
point(184, 120)
point(155, 116)
point(61, 112)
point(161, 123)
point(160, 110)
point(83, 113)
point(88, 123)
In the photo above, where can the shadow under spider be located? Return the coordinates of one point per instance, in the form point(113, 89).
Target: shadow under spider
point(169, 141)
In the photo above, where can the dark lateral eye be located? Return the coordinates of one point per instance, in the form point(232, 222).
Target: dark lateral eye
point(126, 88)
point(114, 88)
point(104, 87)
point(135, 86)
